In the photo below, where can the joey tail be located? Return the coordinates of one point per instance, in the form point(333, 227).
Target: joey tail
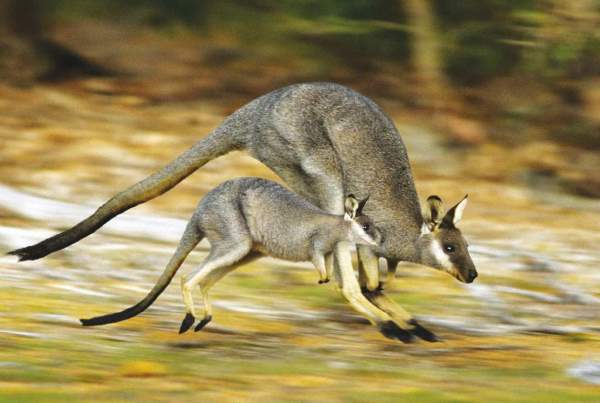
point(191, 237)
point(227, 137)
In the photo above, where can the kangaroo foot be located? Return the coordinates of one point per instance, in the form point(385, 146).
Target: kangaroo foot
point(186, 323)
point(399, 315)
point(423, 333)
point(392, 331)
point(203, 323)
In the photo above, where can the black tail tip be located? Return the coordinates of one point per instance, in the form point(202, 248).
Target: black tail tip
point(17, 254)
point(25, 254)
point(86, 322)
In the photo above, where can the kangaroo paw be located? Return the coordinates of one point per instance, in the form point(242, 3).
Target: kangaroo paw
point(392, 331)
point(186, 323)
point(423, 333)
point(203, 323)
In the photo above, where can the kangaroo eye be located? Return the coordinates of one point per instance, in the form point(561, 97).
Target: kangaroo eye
point(366, 226)
point(449, 248)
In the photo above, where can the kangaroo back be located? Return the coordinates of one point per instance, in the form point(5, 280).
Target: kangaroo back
point(324, 140)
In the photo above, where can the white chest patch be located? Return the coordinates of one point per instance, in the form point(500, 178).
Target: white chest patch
point(439, 254)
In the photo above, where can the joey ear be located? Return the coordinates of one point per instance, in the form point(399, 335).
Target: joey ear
point(361, 205)
point(433, 211)
point(351, 206)
point(454, 215)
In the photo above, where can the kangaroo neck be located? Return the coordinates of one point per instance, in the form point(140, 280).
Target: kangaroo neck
point(400, 241)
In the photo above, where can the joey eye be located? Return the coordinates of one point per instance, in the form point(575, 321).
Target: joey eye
point(449, 248)
point(366, 226)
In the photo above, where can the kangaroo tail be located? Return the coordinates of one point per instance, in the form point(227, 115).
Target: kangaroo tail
point(191, 237)
point(225, 138)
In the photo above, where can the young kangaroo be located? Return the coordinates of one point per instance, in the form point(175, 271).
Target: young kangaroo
point(245, 217)
point(325, 141)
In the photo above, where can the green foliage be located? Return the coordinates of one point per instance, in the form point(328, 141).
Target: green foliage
point(480, 39)
point(572, 57)
point(163, 12)
point(356, 9)
point(478, 52)
point(151, 12)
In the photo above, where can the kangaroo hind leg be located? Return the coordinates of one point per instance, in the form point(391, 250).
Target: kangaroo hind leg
point(374, 293)
point(351, 291)
point(368, 268)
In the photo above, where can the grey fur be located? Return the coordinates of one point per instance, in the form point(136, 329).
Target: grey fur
point(277, 222)
point(325, 141)
point(248, 215)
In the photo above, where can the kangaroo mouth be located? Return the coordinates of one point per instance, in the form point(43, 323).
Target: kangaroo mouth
point(467, 279)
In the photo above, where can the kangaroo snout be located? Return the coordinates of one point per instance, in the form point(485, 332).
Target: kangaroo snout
point(472, 275)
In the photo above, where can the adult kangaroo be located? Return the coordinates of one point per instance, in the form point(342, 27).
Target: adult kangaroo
point(325, 141)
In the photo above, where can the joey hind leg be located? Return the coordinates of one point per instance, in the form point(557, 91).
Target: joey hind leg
point(220, 261)
point(211, 279)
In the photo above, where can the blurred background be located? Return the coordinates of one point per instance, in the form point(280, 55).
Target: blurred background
point(497, 99)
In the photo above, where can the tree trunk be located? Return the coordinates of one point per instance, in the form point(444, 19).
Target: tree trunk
point(426, 55)
point(435, 92)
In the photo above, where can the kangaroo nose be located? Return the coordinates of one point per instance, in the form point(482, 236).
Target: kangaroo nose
point(472, 276)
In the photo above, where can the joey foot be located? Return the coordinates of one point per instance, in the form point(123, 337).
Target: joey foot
point(186, 323)
point(203, 323)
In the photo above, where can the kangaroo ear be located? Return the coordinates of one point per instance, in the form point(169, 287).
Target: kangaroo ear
point(351, 206)
point(454, 215)
point(433, 211)
point(361, 205)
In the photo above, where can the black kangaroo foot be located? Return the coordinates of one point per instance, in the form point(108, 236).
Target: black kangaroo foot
point(392, 331)
point(186, 323)
point(423, 333)
point(324, 281)
point(203, 323)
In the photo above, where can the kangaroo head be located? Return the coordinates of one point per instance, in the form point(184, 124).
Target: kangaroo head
point(441, 245)
point(362, 229)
